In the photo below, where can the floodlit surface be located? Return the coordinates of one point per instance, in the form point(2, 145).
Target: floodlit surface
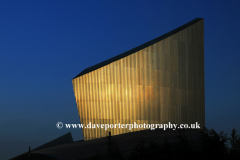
point(161, 83)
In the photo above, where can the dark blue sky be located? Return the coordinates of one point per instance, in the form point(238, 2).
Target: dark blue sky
point(44, 44)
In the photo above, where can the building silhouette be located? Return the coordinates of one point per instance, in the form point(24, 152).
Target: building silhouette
point(158, 82)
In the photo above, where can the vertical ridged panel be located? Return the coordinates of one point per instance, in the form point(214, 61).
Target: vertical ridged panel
point(158, 84)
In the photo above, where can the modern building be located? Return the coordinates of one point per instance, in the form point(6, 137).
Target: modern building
point(158, 82)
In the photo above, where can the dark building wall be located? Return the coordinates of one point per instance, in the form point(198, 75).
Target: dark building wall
point(161, 83)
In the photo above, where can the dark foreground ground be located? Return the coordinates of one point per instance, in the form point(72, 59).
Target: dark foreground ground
point(146, 144)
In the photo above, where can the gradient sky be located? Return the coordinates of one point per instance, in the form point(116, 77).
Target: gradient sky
point(44, 44)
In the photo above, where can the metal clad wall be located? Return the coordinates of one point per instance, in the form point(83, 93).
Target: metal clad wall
point(158, 84)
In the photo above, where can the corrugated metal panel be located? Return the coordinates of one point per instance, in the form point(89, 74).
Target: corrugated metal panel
point(163, 82)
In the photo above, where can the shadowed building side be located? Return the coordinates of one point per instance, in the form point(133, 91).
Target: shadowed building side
point(158, 82)
point(64, 139)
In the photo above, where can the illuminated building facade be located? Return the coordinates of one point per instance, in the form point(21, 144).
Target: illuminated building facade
point(158, 82)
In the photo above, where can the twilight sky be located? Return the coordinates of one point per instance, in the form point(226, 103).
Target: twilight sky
point(44, 44)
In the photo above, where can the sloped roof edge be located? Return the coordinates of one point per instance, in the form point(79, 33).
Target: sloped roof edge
point(120, 56)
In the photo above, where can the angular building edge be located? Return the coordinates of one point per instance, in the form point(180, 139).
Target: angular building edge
point(122, 55)
point(158, 82)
